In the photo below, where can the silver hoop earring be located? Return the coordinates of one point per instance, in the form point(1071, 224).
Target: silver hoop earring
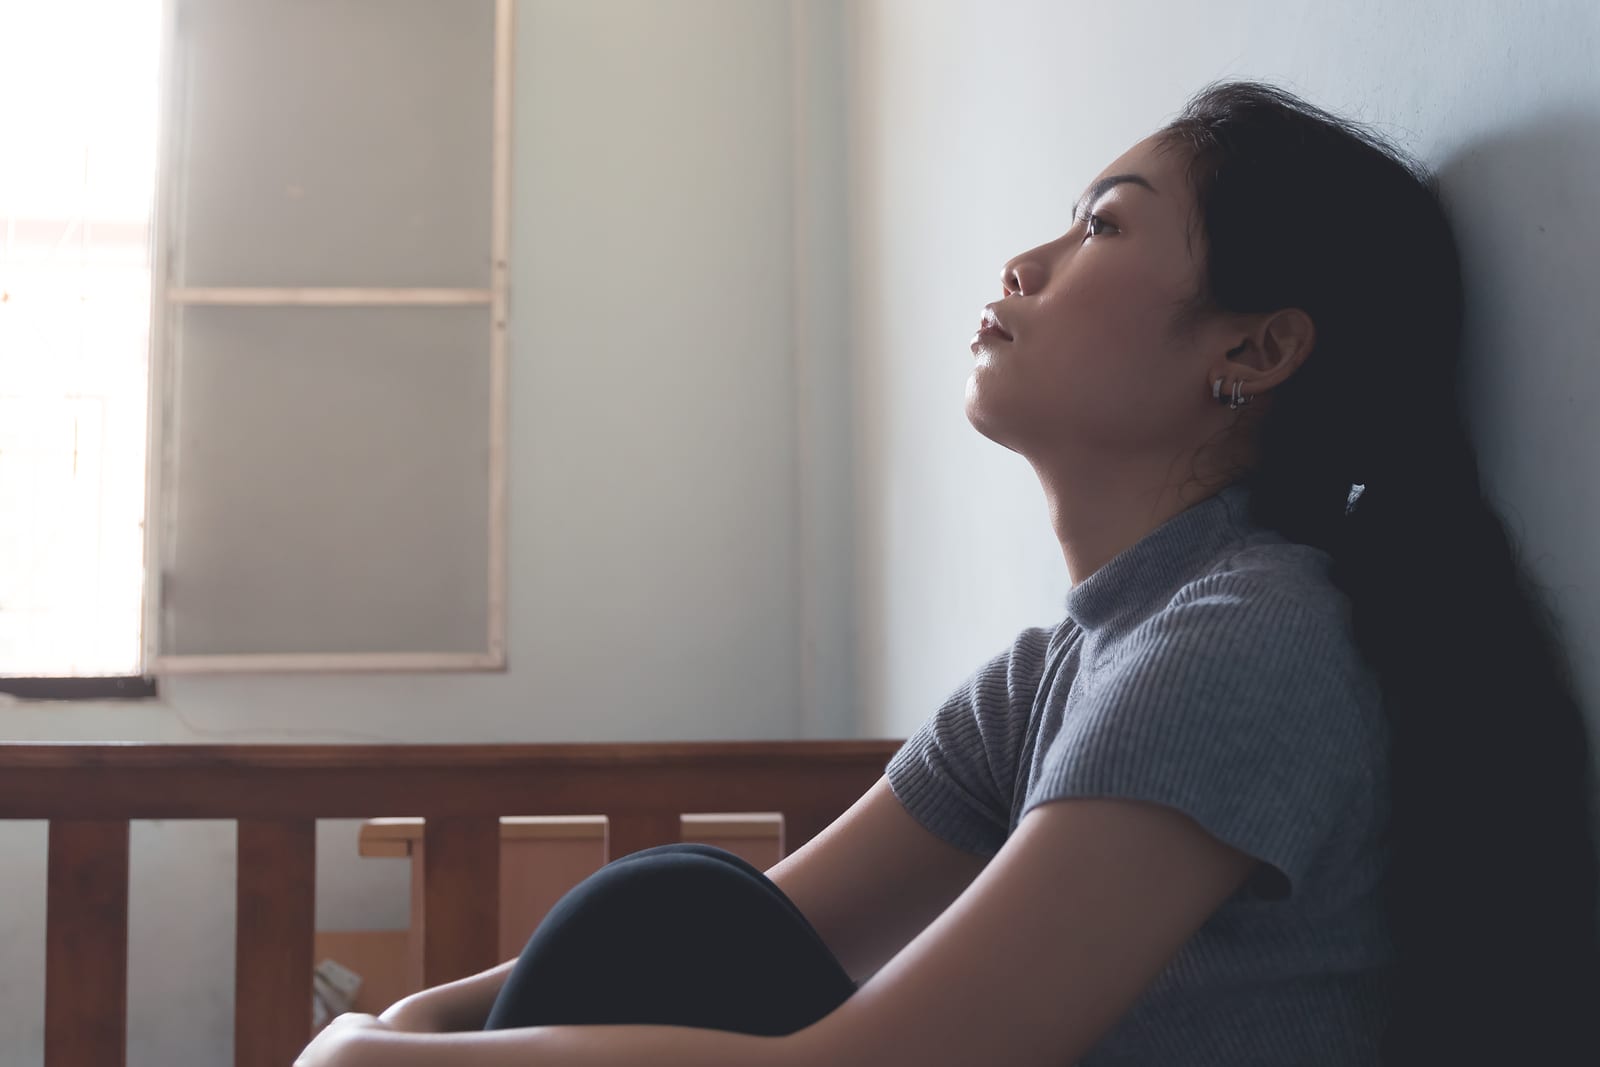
point(1216, 390)
point(1239, 399)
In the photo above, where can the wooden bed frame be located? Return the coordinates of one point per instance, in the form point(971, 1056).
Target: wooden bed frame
point(88, 792)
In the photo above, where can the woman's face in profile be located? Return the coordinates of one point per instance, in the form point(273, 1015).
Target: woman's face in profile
point(1084, 364)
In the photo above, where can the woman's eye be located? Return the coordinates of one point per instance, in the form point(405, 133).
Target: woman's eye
point(1093, 220)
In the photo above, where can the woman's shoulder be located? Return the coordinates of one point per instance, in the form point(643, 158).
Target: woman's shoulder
point(1262, 570)
point(1271, 605)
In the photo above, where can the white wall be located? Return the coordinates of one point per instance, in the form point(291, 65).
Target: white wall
point(669, 467)
point(975, 124)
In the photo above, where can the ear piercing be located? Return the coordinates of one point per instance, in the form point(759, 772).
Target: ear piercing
point(1239, 399)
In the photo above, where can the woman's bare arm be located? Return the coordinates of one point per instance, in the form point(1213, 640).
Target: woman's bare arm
point(873, 879)
point(1033, 963)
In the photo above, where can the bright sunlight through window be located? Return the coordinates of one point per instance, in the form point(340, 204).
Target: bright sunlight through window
point(77, 177)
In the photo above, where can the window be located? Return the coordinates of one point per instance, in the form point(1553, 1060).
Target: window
point(326, 282)
point(77, 167)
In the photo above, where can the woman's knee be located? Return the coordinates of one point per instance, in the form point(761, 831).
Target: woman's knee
point(689, 848)
point(678, 922)
point(673, 875)
point(676, 895)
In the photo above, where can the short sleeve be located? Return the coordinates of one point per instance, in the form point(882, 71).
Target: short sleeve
point(956, 774)
point(1241, 706)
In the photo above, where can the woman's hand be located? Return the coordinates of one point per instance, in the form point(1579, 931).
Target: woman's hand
point(453, 1008)
point(335, 1045)
point(416, 1014)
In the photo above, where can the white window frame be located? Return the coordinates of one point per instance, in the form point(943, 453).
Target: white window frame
point(166, 299)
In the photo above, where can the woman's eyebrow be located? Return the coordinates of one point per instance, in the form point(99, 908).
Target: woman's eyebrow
point(1105, 185)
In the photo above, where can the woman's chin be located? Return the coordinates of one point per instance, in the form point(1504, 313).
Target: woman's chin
point(988, 413)
point(979, 413)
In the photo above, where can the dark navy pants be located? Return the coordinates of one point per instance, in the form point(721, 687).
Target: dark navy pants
point(681, 935)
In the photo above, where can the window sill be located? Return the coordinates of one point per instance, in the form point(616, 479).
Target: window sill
point(129, 688)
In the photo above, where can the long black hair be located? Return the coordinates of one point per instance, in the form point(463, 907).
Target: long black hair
point(1363, 451)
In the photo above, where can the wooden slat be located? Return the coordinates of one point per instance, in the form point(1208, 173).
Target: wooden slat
point(461, 874)
point(759, 825)
point(86, 945)
point(393, 837)
point(634, 831)
point(273, 938)
point(150, 781)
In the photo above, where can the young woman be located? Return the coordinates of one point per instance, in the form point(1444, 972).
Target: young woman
point(1299, 779)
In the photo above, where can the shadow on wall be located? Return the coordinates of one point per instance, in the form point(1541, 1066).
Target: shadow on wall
point(1522, 205)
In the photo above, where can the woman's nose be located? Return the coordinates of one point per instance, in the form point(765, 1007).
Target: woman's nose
point(1020, 277)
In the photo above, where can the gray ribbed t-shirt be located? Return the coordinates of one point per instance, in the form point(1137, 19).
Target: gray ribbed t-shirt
point(1210, 667)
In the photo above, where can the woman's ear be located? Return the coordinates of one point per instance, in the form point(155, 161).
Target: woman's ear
point(1277, 346)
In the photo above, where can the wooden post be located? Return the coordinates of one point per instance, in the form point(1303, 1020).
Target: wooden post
point(635, 831)
point(461, 872)
point(86, 945)
point(273, 934)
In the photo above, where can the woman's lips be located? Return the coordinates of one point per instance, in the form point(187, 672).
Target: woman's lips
point(989, 329)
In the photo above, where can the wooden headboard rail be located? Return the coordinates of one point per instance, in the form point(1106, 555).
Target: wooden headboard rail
point(88, 792)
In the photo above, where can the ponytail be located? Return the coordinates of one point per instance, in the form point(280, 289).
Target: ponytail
point(1491, 888)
